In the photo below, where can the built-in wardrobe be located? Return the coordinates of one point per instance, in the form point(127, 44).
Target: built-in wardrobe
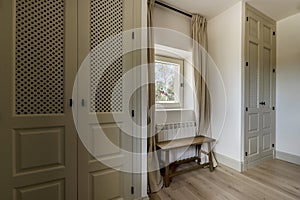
point(51, 115)
point(259, 76)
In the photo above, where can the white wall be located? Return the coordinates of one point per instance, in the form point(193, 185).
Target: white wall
point(166, 18)
point(225, 48)
point(174, 40)
point(288, 86)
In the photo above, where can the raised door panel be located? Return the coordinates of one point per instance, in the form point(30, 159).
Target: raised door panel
point(111, 138)
point(38, 149)
point(253, 123)
point(253, 75)
point(267, 34)
point(54, 190)
point(110, 185)
point(253, 27)
point(253, 136)
point(267, 132)
point(267, 75)
point(253, 146)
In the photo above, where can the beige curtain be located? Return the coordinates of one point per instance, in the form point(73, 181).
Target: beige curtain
point(200, 60)
point(155, 180)
point(202, 104)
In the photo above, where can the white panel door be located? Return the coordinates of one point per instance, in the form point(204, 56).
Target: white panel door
point(259, 87)
point(101, 102)
point(38, 68)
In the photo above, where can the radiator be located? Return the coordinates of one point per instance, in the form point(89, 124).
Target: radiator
point(176, 131)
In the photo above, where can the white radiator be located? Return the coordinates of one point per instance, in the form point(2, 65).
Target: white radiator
point(175, 131)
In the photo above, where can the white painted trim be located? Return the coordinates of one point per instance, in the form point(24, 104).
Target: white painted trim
point(229, 162)
point(243, 110)
point(288, 157)
point(140, 101)
point(143, 198)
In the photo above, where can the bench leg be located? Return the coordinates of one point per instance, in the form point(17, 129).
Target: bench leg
point(198, 148)
point(167, 171)
point(211, 165)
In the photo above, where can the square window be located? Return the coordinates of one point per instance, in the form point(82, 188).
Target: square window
point(169, 82)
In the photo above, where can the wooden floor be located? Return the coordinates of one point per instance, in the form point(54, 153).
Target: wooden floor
point(271, 180)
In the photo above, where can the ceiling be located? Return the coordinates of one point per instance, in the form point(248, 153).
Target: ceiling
point(276, 9)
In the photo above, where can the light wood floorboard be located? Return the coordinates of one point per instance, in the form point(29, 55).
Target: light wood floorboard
point(272, 180)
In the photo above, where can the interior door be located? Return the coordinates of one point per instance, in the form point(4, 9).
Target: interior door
point(259, 87)
point(103, 168)
point(38, 68)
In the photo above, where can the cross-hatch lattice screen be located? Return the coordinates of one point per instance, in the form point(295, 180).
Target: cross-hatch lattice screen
point(39, 57)
point(106, 55)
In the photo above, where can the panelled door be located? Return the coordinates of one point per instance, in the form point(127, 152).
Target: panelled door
point(259, 87)
point(38, 142)
point(101, 101)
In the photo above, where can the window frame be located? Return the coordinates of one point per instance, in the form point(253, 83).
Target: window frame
point(180, 103)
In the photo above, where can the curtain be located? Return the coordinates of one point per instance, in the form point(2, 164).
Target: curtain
point(202, 104)
point(202, 101)
point(155, 180)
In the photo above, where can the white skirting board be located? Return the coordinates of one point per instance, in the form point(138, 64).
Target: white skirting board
point(288, 157)
point(142, 198)
point(229, 162)
point(238, 166)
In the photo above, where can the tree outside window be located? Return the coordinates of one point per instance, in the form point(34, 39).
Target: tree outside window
point(167, 80)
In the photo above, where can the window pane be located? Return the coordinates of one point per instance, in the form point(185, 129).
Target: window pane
point(167, 81)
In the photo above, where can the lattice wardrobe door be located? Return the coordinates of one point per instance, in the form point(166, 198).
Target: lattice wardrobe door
point(106, 55)
point(39, 57)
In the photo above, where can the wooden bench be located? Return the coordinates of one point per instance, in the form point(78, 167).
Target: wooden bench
point(197, 141)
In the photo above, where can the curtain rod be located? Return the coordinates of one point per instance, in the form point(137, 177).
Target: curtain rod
point(172, 8)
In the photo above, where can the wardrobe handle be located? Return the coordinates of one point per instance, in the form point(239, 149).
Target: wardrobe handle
point(262, 103)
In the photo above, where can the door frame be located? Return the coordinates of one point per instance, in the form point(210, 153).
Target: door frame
point(140, 100)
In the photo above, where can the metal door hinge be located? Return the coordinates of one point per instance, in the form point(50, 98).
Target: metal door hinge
point(274, 33)
point(273, 108)
point(71, 102)
point(247, 64)
point(274, 70)
point(82, 102)
point(132, 35)
point(246, 109)
point(132, 190)
point(132, 113)
point(247, 18)
point(246, 153)
point(273, 145)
